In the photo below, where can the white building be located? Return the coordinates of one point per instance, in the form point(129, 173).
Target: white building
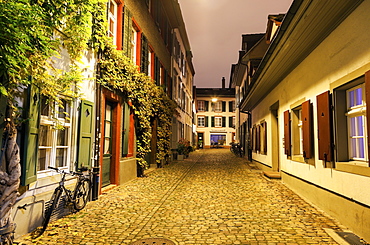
point(307, 103)
point(215, 116)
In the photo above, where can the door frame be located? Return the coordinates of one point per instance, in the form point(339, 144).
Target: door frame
point(115, 101)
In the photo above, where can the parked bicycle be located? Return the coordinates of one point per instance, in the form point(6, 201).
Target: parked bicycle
point(78, 197)
point(237, 149)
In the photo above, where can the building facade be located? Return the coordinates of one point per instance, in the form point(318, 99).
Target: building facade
point(307, 103)
point(215, 117)
point(99, 127)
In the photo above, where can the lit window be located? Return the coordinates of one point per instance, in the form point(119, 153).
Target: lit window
point(356, 121)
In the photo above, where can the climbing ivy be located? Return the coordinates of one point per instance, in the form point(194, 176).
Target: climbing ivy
point(36, 33)
point(148, 101)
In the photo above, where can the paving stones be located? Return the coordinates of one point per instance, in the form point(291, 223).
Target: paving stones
point(212, 197)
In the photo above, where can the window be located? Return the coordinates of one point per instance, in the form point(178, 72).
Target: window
point(218, 121)
point(201, 121)
point(112, 20)
point(54, 140)
point(133, 45)
point(201, 105)
point(232, 106)
point(356, 121)
point(150, 55)
point(297, 133)
point(351, 146)
point(217, 106)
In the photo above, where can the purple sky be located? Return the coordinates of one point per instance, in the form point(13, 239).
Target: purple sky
point(214, 29)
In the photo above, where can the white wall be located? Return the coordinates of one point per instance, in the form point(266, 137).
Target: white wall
point(340, 58)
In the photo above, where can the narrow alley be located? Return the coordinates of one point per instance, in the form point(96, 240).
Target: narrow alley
point(212, 197)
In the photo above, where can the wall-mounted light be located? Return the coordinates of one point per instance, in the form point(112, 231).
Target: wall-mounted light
point(214, 99)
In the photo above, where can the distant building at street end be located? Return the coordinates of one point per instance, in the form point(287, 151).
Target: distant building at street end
point(215, 116)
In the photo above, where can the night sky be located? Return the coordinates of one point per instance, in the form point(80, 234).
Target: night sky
point(214, 29)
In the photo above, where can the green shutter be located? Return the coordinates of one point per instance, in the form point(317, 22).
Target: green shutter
point(127, 27)
point(206, 103)
point(157, 70)
point(3, 105)
point(125, 129)
point(144, 54)
point(224, 122)
point(231, 109)
point(30, 154)
point(206, 122)
point(231, 122)
point(85, 134)
point(212, 121)
point(223, 106)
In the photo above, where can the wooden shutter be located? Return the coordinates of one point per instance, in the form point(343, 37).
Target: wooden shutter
point(287, 134)
point(144, 54)
point(3, 105)
point(206, 104)
point(206, 121)
point(212, 121)
point(367, 98)
point(223, 106)
point(85, 134)
point(157, 70)
point(224, 122)
point(264, 146)
point(126, 129)
point(324, 126)
point(307, 129)
point(230, 122)
point(31, 136)
point(254, 138)
point(127, 27)
point(258, 138)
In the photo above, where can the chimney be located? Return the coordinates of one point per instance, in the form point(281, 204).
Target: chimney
point(223, 82)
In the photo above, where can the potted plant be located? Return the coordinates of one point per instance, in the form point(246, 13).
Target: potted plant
point(182, 148)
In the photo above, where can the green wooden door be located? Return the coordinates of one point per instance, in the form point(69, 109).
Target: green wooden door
point(107, 148)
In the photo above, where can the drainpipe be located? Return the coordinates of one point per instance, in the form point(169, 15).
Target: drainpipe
point(96, 165)
point(247, 148)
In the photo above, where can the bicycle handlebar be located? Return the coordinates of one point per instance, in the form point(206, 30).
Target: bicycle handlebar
point(62, 171)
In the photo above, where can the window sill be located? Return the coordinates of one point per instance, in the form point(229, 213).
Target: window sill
point(298, 158)
point(353, 168)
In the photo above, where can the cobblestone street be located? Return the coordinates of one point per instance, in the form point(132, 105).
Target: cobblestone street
point(212, 197)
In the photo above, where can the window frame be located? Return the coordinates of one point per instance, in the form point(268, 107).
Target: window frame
point(112, 17)
point(218, 121)
point(53, 122)
point(204, 121)
point(353, 112)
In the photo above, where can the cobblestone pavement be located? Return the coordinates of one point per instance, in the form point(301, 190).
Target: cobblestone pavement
point(212, 197)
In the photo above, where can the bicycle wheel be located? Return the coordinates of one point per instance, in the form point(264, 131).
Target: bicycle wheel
point(81, 194)
point(54, 201)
